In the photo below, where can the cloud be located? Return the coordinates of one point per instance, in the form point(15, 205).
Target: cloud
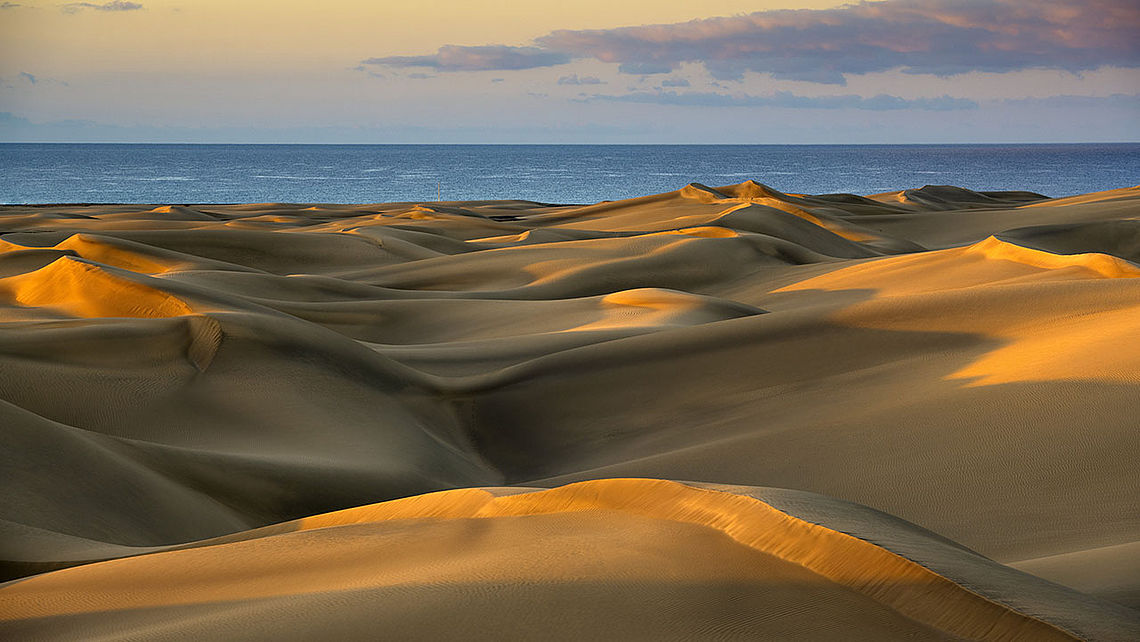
point(674, 82)
point(114, 5)
point(365, 70)
point(1126, 101)
point(25, 78)
point(938, 37)
point(482, 58)
point(644, 68)
point(574, 79)
point(783, 99)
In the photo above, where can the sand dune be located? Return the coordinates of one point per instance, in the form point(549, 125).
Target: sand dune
point(469, 551)
point(965, 361)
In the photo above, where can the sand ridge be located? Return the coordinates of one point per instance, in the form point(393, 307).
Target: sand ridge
point(885, 577)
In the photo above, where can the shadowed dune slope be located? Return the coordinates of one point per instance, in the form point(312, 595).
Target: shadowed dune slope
point(966, 361)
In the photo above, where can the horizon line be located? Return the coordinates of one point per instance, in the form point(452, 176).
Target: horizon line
point(311, 144)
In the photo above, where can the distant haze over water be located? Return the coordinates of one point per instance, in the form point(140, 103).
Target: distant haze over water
point(164, 173)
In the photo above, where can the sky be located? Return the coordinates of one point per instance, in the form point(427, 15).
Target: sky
point(589, 71)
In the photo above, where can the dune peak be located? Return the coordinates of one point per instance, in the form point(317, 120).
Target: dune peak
point(1104, 265)
point(751, 189)
point(702, 193)
point(85, 289)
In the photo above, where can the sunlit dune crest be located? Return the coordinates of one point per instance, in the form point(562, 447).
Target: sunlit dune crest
point(660, 308)
point(86, 289)
point(113, 254)
point(1104, 265)
point(324, 421)
point(833, 559)
point(1039, 344)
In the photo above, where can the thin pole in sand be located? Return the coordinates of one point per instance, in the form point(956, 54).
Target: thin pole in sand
point(438, 186)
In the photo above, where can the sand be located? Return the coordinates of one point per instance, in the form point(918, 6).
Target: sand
point(920, 408)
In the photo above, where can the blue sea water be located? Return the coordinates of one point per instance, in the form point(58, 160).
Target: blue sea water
point(165, 173)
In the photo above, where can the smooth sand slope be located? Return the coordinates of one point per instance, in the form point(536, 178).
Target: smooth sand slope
point(968, 362)
point(630, 558)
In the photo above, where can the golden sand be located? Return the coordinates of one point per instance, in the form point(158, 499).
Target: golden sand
point(206, 410)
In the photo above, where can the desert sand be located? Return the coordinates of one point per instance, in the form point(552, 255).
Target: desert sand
point(715, 413)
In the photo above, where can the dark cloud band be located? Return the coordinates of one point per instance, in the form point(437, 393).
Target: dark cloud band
point(484, 58)
point(881, 102)
point(574, 79)
point(939, 37)
point(114, 5)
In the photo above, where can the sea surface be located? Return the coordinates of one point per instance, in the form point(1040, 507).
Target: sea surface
point(165, 173)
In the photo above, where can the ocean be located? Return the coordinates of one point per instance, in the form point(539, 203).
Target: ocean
point(165, 173)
